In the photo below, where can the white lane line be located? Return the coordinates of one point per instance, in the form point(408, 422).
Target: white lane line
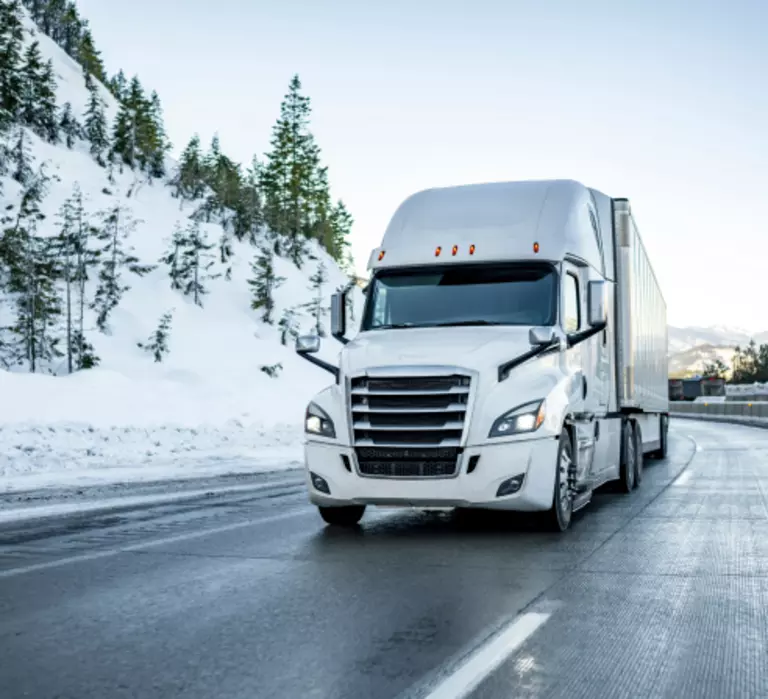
point(488, 658)
point(683, 478)
point(22, 514)
point(95, 555)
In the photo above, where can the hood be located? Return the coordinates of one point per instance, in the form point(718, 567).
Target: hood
point(478, 348)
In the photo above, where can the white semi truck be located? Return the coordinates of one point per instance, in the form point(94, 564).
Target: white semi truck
point(512, 355)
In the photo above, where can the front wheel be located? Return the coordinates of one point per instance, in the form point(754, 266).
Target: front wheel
point(342, 516)
point(558, 517)
point(628, 458)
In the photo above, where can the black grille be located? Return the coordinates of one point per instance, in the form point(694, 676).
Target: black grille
point(427, 411)
point(407, 463)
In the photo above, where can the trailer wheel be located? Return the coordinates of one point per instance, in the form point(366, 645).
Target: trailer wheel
point(639, 461)
point(628, 458)
point(342, 516)
point(558, 517)
point(661, 452)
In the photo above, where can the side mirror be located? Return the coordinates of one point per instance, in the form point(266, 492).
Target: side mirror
point(541, 336)
point(338, 315)
point(307, 344)
point(596, 306)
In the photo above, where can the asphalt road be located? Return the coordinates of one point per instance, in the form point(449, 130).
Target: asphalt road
point(663, 593)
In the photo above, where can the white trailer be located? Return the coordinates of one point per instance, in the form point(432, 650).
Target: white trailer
point(511, 355)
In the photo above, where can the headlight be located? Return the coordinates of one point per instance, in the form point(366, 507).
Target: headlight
point(524, 418)
point(316, 421)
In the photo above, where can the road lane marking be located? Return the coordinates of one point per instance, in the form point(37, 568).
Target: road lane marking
point(95, 555)
point(683, 478)
point(483, 661)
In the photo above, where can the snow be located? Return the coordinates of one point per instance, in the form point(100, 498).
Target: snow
point(208, 408)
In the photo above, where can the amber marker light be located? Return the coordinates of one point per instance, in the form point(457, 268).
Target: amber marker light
point(536, 247)
point(471, 249)
point(438, 250)
point(381, 255)
point(454, 249)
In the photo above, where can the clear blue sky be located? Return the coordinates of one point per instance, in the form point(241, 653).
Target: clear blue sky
point(665, 103)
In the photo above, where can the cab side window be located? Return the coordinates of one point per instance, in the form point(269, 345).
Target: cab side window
point(572, 309)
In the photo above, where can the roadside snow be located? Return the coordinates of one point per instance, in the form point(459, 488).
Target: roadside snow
point(43, 456)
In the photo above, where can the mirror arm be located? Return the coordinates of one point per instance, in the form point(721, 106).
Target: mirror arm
point(505, 368)
point(577, 338)
point(323, 365)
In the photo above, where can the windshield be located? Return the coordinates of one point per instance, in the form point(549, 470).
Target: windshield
point(498, 294)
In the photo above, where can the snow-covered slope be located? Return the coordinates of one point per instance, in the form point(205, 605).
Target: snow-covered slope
point(210, 381)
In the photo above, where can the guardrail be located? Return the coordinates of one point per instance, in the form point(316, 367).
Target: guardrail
point(739, 412)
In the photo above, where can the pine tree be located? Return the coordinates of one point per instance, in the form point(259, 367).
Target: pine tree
point(90, 58)
point(173, 258)
point(263, 284)
point(48, 126)
point(289, 176)
point(21, 156)
point(96, 123)
point(157, 344)
point(36, 8)
point(118, 86)
point(158, 144)
point(116, 254)
point(338, 245)
point(31, 73)
point(189, 182)
point(249, 219)
point(11, 44)
point(69, 125)
point(316, 306)
point(84, 354)
point(71, 30)
point(288, 325)
point(75, 258)
point(124, 136)
point(196, 263)
point(31, 281)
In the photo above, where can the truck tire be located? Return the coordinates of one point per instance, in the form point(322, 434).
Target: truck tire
point(661, 452)
point(558, 517)
point(639, 460)
point(628, 451)
point(342, 516)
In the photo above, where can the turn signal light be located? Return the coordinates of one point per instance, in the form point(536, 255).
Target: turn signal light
point(381, 255)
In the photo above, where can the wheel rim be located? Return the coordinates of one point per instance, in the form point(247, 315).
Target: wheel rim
point(564, 494)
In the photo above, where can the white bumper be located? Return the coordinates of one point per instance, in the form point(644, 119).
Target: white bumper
point(498, 462)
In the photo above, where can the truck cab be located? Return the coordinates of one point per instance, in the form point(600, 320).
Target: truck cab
point(488, 371)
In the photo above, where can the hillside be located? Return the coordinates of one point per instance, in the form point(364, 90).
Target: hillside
point(228, 389)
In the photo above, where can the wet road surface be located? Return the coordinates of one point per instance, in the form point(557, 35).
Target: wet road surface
point(663, 593)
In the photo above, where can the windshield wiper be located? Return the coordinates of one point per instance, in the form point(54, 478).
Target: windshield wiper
point(466, 322)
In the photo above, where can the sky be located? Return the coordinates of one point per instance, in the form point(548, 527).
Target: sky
point(664, 103)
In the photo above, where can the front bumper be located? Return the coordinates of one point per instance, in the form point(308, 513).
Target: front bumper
point(535, 458)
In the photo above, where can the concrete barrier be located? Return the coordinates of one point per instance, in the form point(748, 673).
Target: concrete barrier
point(750, 413)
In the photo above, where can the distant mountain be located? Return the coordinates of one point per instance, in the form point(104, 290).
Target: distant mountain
point(682, 339)
point(691, 348)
